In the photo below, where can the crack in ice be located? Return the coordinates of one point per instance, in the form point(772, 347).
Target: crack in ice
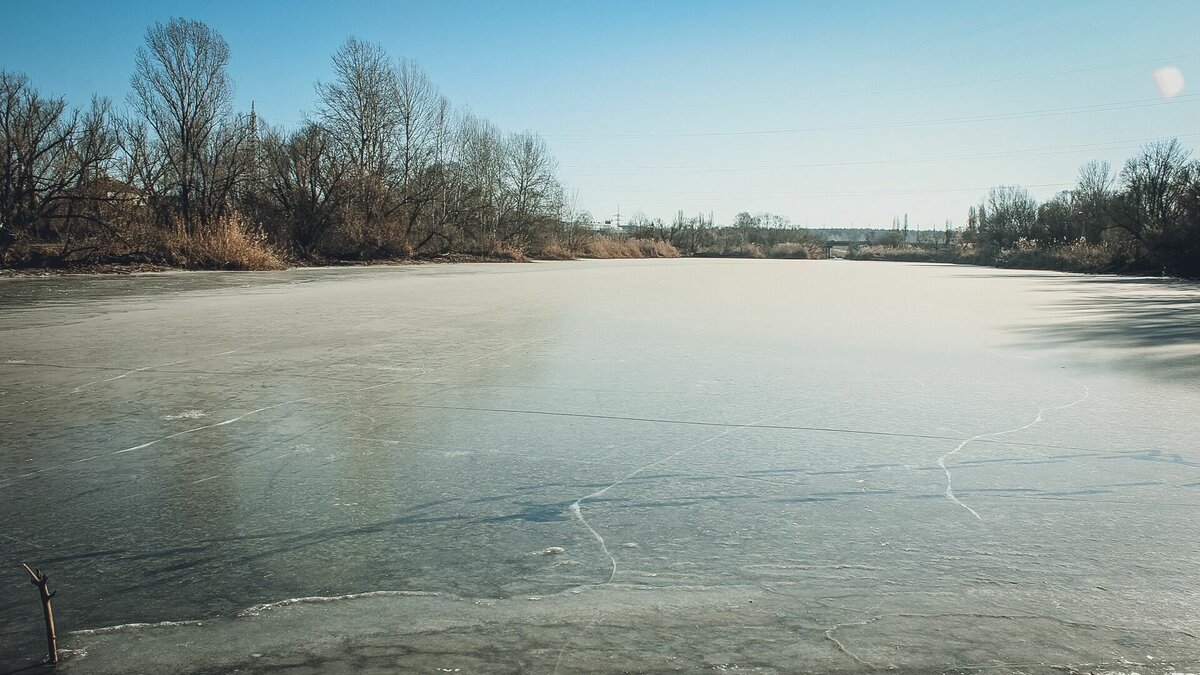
point(941, 461)
point(730, 425)
point(281, 404)
point(127, 373)
point(578, 513)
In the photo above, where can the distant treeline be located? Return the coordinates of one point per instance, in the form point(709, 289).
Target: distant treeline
point(1143, 219)
point(383, 167)
point(759, 235)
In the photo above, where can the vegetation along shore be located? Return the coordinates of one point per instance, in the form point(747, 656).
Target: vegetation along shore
point(386, 168)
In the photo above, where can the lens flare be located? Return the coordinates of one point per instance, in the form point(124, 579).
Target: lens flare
point(1169, 81)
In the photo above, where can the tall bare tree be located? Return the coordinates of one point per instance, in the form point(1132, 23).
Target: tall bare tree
point(1092, 200)
point(1011, 214)
point(361, 111)
point(531, 192)
point(359, 106)
point(182, 90)
point(1155, 185)
point(422, 116)
point(481, 174)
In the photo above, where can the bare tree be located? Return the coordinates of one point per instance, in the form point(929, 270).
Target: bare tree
point(51, 160)
point(386, 163)
point(1011, 213)
point(87, 199)
point(1152, 206)
point(1054, 223)
point(481, 167)
point(532, 192)
point(1153, 184)
point(1092, 200)
point(306, 183)
point(142, 164)
point(182, 90)
point(445, 182)
point(359, 107)
point(224, 164)
point(423, 117)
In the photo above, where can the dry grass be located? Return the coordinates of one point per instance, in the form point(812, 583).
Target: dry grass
point(232, 245)
point(903, 253)
point(612, 247)
point(608, 247)
point(732, 250)
point(557, 251)
point(789, 249)
point(507, 252)
point(653, 248)
point(1077, 256)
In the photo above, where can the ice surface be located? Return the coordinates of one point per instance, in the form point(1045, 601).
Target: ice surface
point(742, 465)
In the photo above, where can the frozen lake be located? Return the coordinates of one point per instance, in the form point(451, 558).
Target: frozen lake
point(752, 465)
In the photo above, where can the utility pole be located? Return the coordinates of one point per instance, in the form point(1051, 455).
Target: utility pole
point(615, 219)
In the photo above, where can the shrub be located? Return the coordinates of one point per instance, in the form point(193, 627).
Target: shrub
point(508, 252)
point(655, 248)
point(903, 253)
point(790, 249)
point(609, 247)
point(732, 250)
point(1077, 256)
point(613, 247)
point(556, 251)
point(230, 246)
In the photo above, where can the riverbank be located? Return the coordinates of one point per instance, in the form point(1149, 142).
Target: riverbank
point(1079, 257)
point(141, 268)
point(241, 259)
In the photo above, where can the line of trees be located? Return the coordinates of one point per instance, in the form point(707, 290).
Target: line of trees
point(1146, 217)
point(1143, 219)
point(751, 235)
point(384, 166)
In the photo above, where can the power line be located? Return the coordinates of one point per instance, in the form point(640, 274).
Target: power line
point(1046, 112)
point(870, 92)
point(623, 170)
point(708, 196)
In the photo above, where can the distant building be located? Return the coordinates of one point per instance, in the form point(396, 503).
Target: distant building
point(112, 189)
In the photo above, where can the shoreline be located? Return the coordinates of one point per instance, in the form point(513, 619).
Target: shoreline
point(133, 269)
point(128, 269)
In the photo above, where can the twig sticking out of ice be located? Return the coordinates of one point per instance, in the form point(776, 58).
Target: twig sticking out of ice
point(941, 461)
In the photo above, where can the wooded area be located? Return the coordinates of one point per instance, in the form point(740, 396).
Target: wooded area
point(385, 167)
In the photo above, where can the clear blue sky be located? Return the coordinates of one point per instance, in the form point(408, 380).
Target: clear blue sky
point(657, 105)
